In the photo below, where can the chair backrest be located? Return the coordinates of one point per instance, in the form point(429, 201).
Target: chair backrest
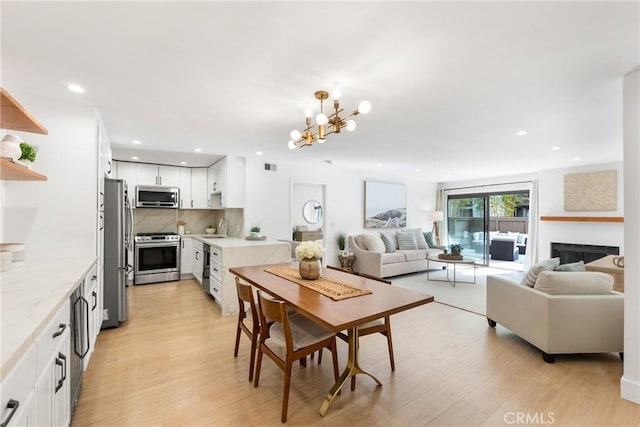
point(271, 311)
point(245, 295)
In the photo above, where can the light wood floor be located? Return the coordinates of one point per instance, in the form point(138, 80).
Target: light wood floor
point(172, 364)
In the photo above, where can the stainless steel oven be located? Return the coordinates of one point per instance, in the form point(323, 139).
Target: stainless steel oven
point(157, 258)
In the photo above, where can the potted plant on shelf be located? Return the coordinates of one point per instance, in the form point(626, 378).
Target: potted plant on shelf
point(28, 155)
point(255, 231)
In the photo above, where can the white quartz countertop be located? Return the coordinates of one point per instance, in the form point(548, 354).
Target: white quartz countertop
point(30, 295)
point(233, 242)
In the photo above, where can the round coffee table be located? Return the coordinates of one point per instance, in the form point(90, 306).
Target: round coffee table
point(448, 262)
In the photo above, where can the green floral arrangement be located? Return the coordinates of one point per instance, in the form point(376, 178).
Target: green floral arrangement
point(455, 247)
point(341, 239)
point(255, 229)
point(28, 152)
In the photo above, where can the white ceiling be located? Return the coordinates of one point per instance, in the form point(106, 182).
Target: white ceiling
point(451, 83)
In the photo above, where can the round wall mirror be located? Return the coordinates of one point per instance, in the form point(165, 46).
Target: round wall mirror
point(312, 211)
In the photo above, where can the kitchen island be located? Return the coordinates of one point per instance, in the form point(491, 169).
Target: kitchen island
point(229, 252)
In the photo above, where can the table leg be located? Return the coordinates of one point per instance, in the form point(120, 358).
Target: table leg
point(352, 369)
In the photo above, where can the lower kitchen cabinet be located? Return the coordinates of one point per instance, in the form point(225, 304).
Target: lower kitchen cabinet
point(186, 256)
point(18, 402)
point(92, 293)
point(197, 260)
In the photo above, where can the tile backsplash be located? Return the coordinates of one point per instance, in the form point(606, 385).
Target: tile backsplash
point(150, 220)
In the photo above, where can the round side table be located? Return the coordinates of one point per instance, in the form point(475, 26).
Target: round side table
point(346, 262)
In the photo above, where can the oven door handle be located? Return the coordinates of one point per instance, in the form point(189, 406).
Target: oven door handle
point(142, 245)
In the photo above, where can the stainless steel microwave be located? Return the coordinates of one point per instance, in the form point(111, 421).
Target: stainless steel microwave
point(155, 196)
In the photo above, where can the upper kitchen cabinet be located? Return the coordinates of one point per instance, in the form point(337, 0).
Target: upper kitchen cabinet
point(167, 176)
point(13, 116)
point(226, 182)
point(193, 188)
point(127, 172)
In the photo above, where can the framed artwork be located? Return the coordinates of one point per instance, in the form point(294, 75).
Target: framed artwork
point(592, 191)
point(385, 205)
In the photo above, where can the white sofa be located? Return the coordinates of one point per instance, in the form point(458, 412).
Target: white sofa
point(558, 323)
point(379, 263)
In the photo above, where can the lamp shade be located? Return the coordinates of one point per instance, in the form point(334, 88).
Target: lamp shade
point(435, 215)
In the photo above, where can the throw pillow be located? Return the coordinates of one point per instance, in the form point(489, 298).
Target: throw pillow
point(572, 266)
point(574, 283)
point(428, 237)
point(407, 241)
point(529, 279)
point(389, 245)
point(374, 243)
point(514, 235)
point(420, 240)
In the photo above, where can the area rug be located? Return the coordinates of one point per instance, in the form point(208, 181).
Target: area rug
point(466, 296)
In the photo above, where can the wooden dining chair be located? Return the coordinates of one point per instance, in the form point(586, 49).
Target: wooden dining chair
point(296, 335)
point(382, 326)
point(247, 312)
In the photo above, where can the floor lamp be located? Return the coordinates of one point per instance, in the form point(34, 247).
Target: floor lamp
point(436, 217)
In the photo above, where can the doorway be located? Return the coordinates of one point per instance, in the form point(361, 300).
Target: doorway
point(491, 227)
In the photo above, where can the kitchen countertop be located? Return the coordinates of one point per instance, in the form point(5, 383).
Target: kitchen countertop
point(30, 295)
point(232, 242)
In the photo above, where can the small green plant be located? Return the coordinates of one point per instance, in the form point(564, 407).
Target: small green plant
point(255, 229)
point(455, 247)
point(28, 153)
point(341, 239)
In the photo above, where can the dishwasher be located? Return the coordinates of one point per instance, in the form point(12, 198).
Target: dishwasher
point(206, 263)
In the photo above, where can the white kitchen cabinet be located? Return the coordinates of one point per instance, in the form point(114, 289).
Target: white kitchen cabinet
point(199, 194)
point(18, 403)
point(227, 183)
point(186, 256)
point(185, 188)
point(148, 174)
point(197, 260)
point(127, 172)
point(93, 294)
point(52, 392)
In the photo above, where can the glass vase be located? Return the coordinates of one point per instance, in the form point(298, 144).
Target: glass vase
point(309, 268)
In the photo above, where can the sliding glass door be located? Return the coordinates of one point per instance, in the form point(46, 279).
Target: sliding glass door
point(468, 224)
point(473, 220)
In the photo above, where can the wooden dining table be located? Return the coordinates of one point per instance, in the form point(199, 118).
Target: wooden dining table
point(336, 316)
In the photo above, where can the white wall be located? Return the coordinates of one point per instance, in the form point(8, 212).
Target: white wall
point(630, 382)
point(268, 198)
point(55, 218)
point(551, 203)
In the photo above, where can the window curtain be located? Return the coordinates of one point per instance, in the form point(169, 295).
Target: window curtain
point(534, 224)
point(441, 205)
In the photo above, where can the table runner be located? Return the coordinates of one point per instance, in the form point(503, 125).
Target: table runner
point(331, 288)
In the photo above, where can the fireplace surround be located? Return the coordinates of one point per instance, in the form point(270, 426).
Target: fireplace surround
point(573, 252)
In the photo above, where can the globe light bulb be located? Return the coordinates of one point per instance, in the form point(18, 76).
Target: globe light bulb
point(321, 141)
point(291, 145)
point(351, 125)
point(295, 134)
point(308, 112)
point(364, 107)
point(336, 93)
point(322, 119)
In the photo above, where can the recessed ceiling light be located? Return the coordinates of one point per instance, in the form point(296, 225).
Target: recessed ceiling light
point(135, 141)
point(522, 132)
point(259, 153)
point(183, 163)
point(379, 164)
point(198, 150)
point(555, 148)
point(577, 158)
point(135, 158)
point(417, 170)
point(75, 88)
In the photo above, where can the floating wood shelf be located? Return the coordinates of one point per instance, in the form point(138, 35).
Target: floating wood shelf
point(583, 218)
point(13, 116)
point(14, 172)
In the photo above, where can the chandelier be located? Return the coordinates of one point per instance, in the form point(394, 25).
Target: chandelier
point(326, 125)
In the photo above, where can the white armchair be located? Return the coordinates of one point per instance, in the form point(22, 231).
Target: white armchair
point(557, 324)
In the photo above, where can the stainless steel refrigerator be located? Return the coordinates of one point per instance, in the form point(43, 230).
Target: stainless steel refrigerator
point(118, 235)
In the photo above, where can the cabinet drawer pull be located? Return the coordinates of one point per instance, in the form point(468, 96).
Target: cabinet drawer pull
point(95, 300)
point(13, 405)
point(61, 380)
point(59, 332)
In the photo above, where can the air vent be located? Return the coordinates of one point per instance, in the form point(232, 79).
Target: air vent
point(270, 167)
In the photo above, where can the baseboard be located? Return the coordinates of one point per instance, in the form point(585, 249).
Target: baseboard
point(630, 390)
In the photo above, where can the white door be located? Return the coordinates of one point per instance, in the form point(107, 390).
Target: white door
point(186, 255)
point(199, 194)
point(169, 176)
point(147, 174)
point(185, 188)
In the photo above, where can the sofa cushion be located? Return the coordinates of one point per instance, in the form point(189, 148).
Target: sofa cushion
point(389, 244)
point(574, 283)
point(407, 240)
point(428, 237)
point(416, 255)
point(572, 266)
point(373, 243)
point(393, 258)
point(513, 235)
point(420, 240)
point(529, 279)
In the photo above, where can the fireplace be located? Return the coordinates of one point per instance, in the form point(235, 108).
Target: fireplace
point(571, 252)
